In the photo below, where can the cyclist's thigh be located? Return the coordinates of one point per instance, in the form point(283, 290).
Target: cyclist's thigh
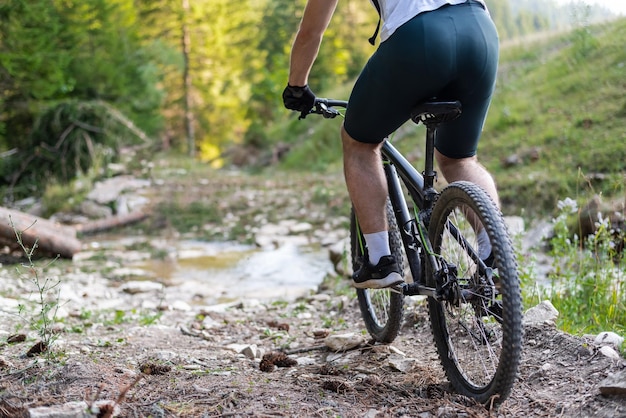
point(477, 62)
point(411, 66)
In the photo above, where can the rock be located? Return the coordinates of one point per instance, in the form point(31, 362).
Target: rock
point(371, 413)
point(320, 297)
point(72, 410)
point(127, 204)
point(135, 287)
point(306, 361)
point(252, 352)
point(180, 305)
point(125, 272)
point(165, 355)
point(401, 363)
point(609, 352)
point(210, 323)
point(545, 312)
point(344, 342)
point(610, 339)
point(91, 209)
point(237, 348)
point(300, 228)
point(9, 305)
point(107, 191)
point(614, 384)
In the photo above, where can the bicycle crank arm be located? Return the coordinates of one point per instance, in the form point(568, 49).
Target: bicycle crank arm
point(414, 289)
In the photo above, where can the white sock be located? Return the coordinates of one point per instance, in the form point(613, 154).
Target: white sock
point(377, 246)
point(484, 246)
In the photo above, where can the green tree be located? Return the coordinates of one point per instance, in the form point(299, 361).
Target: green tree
point(55, 53)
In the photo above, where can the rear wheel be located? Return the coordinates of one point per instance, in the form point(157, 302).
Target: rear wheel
point(381, 309)
point(477, 327)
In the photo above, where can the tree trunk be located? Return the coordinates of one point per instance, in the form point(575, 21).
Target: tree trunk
point(110, 223)
point(49, 236)
point(186, 45)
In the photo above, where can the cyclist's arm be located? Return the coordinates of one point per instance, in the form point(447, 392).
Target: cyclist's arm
point(315, 20)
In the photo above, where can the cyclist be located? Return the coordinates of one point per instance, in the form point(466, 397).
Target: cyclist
point(429, 48)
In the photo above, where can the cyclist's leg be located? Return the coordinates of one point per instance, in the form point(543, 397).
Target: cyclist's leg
point(381, 101)
point(468, 169)
point(366, 182)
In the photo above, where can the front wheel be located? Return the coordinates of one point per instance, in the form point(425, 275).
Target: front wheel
point(477, 326)
point(381, 309)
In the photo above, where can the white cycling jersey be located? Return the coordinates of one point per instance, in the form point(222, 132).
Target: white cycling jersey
point(394, 13)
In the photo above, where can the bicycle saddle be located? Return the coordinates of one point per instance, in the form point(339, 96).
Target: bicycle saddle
point(434, 112)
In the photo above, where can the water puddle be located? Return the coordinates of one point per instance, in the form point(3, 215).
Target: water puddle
point(232, 272)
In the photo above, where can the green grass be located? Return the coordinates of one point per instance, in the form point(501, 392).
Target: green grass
point(561, 108)
point(587, 283)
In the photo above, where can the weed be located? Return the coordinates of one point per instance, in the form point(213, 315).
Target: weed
point(588, 279)
point(47, 295)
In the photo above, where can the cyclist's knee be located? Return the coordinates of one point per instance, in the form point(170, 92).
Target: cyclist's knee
point(351, 144)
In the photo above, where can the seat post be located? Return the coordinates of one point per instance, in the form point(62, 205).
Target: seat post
point(429, 167)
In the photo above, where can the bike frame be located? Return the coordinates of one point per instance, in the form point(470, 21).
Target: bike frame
point(412, 228)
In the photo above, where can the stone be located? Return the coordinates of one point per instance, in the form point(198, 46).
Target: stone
point(609, 338)
point(92, 209)
point(545, 312)
point(608, 352)
point(614, 384)
point(180, 305)
point(135, 287)
point(300, 228)
point(107, 191)
point(344, 342)
point(71, 410)
point(401, 363)
point(252, 352)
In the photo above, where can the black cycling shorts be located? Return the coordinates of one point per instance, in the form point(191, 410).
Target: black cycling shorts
point(450, 53)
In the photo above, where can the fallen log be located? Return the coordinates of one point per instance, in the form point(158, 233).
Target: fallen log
point(110, 223)
point(50, 237)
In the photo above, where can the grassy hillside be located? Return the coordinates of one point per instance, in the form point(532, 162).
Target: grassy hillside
point(556, 129)
point(557, 126)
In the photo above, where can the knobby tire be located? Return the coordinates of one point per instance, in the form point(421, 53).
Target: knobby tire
point(478, 336)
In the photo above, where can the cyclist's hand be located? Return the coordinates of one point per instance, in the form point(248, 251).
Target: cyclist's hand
point(297, 98)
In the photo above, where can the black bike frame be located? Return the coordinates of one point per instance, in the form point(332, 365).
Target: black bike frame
point(411, 225)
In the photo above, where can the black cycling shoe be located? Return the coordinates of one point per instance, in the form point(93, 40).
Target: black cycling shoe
point(385, 274)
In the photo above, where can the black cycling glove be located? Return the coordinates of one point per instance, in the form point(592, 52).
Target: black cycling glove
point(297, 98)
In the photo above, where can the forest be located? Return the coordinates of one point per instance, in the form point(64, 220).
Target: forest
point(81, 80)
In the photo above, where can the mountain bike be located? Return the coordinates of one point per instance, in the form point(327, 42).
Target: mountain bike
point(474, 304)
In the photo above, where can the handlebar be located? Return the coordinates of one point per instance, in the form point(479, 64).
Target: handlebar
point(326, 108)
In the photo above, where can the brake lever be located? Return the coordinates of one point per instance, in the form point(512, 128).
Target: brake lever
point(327, 112)
point(320, 108)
